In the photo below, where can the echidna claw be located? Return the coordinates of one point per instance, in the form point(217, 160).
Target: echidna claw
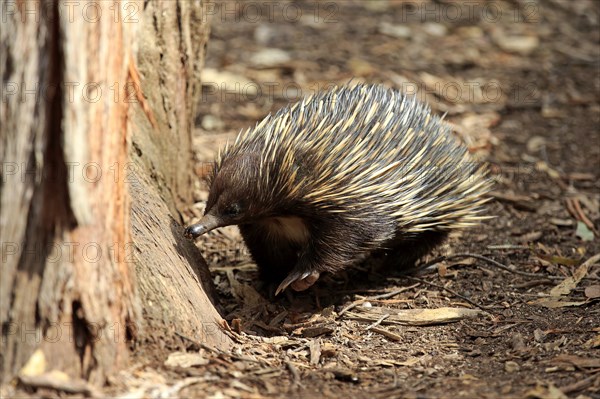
point(298, 281)
point(306, 282)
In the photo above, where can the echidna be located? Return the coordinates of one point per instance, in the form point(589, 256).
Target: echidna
point(341, 175)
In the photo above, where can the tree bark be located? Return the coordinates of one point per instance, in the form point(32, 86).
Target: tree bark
point(98, 102)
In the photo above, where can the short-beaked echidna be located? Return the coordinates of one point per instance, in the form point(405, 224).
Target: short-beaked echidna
point(341, 175)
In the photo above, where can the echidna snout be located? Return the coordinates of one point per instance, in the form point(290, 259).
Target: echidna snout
point(232, 199)
point(341, 175)
point(207, 224)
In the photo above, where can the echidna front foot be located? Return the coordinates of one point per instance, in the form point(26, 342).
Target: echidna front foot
point(298, 281)
point(306, 282)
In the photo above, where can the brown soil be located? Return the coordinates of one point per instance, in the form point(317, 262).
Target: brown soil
point(520, 82)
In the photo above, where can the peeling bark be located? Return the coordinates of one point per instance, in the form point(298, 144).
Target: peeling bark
point(97, 111)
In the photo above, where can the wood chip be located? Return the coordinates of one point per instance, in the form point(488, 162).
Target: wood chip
point(185, 360)
point(386, 333)
point(577, 361)
point(311, 332)
point(315, 352)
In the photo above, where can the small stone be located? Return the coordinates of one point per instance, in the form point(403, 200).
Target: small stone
point(228, 81)
point(471, 32)
point(523, 45)
point(394, 30)
point(593, 291)
point(561, 222)
point(536, 143)
point(361, 67)
point(36, 364)
point(506, 389)
point(211, 122)
point(517, 342)
point(263, 34)
point(377, 5)
point(511, 367)
point(269, 57)
point(435, 29)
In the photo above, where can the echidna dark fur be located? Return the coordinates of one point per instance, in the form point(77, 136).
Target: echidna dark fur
point(338, 176)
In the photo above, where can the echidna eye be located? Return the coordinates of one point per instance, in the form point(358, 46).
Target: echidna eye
point(232, 210)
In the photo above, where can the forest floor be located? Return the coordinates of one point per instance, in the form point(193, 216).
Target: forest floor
point(519, 81)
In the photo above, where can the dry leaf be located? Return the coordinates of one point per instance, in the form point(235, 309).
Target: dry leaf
point(583, 232)
point(558, 294)
point(568, 284)
point(437, 316)
point(415, 317)
point(558, 260)
point(245, 292)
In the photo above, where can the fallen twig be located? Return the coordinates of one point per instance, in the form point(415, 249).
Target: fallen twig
point(506, 246)
point(54, 380)
point(220, 352)
point(378, 322)
point(294, 371)
point(482, 307)
point(376, 297)
point(480, 257)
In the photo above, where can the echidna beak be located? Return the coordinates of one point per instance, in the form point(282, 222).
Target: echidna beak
point(206, 224)
point(298, 281)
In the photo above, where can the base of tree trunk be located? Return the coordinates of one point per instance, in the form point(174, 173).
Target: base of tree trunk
point(95, 134)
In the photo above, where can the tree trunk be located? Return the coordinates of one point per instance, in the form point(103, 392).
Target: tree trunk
point(98, 102)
